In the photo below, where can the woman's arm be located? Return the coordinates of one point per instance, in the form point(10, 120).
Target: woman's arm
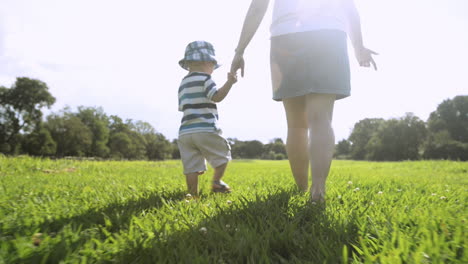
point(363, 54)
point(252, 21)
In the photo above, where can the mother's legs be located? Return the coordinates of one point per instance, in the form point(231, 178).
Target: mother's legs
point(310, 114)
point(322, 140)
point(297, 141)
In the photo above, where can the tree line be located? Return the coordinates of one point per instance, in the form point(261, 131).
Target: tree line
point(87, 132)
point(90, 132)
point(443, 136)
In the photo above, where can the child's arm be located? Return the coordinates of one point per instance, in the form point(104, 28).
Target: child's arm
point(223, 91)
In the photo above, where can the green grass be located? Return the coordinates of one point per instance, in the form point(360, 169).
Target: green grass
point(68, 211)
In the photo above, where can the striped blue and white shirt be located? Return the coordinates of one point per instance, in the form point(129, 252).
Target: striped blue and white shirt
point(200, 113)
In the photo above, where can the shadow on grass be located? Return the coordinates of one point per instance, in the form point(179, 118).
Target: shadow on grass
point(119, 214)
point(73, 232)
point(268, 229)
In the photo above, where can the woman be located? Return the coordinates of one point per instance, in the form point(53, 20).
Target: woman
point(309, 71)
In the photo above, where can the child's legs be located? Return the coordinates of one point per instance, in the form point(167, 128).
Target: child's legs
point(193, 161)
point(297, 141)
point(216, 150)
point(322, 140)
point(219, 172)
point(192, 182)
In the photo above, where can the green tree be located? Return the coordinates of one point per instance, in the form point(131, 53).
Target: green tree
point(440, 145)
point(125, 142)
point(397, 139)
point(73, 138)
point(361, 134)
point(448, 130)
point(39, 143)
point(175, 149)
point(120, 145)
point(116, 124)
point(247, 149)
point(236, 146)
point(342, 149)
point(156, 145)
point(20, 110)
point(98, 123)
point(451, 115)
point(275, 150)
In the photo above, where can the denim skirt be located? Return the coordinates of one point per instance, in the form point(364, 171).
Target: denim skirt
point(310, 62)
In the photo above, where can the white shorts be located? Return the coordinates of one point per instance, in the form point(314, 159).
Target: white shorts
point(196, 148)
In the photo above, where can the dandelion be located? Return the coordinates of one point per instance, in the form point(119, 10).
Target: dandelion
point(203, 230)
point(380, 192)
point(443, 197)
point(37, 239)
point(357, 189)
point(350, 182)
point(229, 202)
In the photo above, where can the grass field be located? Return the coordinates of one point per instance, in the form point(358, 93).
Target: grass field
point(68, 211)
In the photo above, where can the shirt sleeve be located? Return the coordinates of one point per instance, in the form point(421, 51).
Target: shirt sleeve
point(180, 103)
point(180, 107)
point(210, 88)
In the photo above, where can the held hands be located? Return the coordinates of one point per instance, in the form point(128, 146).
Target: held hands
point(223, 91)
point(231, 78)
point(364, 57)
point(238, 63)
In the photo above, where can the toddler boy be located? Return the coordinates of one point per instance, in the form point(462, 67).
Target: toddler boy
point(199, 135)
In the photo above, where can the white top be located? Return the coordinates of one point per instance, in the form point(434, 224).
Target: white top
point(292, 16)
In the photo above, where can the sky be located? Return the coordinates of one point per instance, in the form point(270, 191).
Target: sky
point(123, 56)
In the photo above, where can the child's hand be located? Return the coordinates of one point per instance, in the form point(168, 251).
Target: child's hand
point(232, 78)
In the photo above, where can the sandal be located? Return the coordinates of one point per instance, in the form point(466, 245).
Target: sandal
point(220, 187)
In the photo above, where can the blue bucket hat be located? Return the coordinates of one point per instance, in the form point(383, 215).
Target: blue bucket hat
point(199, 51)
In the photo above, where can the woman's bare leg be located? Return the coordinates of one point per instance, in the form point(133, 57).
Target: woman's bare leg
point(297, 141)
point(322, 141)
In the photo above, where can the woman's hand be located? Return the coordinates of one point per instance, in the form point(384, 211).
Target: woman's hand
point(364, 57)
point(238, 63)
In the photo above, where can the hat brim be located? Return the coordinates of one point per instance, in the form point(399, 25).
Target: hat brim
point(183, 63)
